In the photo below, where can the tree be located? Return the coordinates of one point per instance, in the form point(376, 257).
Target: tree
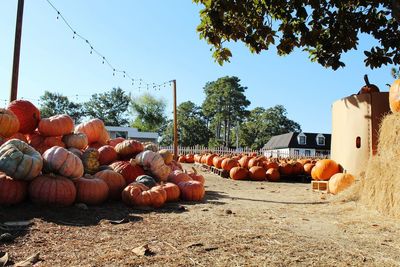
point(395, 73)
point(262, 124)
point(326, 29)
point(225, 105)
point(192, 127)
point(149, 113)
point(111, 107)
point(55, 103)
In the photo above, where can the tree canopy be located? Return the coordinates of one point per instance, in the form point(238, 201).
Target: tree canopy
point(55, 103)
point(262, 124)
point(111, 107)
point(326, 29)
point(150, 113)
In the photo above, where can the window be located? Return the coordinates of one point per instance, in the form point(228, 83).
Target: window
point(301, 139)
point(307, 153)
point(121, 134)
point(297, 152)
point(320, 140)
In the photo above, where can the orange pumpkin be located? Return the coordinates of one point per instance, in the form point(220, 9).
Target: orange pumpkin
point(209, 159)
point(11, 191)
point(368, 88)
point(217, 161)
point(107, 155)
point(173, 192)
point(394, 96)
point(77, 140)
point(182, 159)
point(255, 162)
point(196, 176)
point(137, 194)
point(339, 182)
point(244, 161)
point(273, 175)
point(9, 123)
point(297, 168)
point(129, 148)
point(257, 173)
point(178, 176)
point(270, 165)
point(19, 136)
point(57, 125)
point(91, 190)
point(115, 181)
point(127, 170)
point(52, 190)
point(308, 167)
point(28, 115)
point(238, 173)
point(93, 129)
point(61, 161)
point(189, 158)
point(324, 169)
point(227, 164)
point(115, 141)
point(191, 190)
point(285, 169)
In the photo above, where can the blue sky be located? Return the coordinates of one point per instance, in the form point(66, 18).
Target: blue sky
point(157, 41)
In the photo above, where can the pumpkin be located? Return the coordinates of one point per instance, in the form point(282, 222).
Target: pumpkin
point(9, 124)
point(93, 129)
point(90, 160)
point(209, 159)
point(150, 146)
point(115, 141)
point(103, 137)
point(77, 140)
point(107, 155)
point(182, 159)
point(257, 173)
point(285, 169)
point(255, 162)
point(96, 145)
point(28, 115)
point(297, 168)
point(127, 170)
point(191, 190)
point(19, 160)
point(196, 176)
point(238, 173)
point(52, 190)
point(76, 152)
point(270, 165)
point(308, 167)
point(339, 182)
point(166, 155)
point(91, 190)
point(227, 164)
point(35, 139)
point(137, 194)
point(174, 166)
point(178, 176)
point(368, 88)
point(189, 158)
point(272, 175)
point(19, 136)
point(61, 161)
point(217, 162)
point(394, 96)
point(48, 142)
point(11, 191)
point(146, 180)
point(324, 169)
point(154, 162)
point(57, 125)
point(129, 148)
point(244, 161)
point(115, 182)
point(173, 192)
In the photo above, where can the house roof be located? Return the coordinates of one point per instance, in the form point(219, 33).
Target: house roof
point(289, 140)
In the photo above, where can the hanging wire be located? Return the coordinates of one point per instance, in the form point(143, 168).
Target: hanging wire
point(103, 59)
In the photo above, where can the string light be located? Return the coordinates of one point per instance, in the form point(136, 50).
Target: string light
point(103, 59)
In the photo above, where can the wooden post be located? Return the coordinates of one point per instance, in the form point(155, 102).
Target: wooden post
point(175, 123)
point(17, 50)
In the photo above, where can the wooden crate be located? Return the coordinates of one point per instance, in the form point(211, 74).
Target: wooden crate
point(320, 186)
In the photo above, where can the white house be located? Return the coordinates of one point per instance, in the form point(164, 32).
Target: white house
point(132, 133)
point(298, 144)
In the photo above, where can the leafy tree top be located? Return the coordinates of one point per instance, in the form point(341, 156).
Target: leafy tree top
point(326, 28)
point(149, 113)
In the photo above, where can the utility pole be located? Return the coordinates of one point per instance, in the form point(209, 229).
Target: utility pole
point(17, 50)
point(175, 123)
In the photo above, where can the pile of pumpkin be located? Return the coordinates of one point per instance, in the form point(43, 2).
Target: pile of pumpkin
point(57, 163)
point(260, 168)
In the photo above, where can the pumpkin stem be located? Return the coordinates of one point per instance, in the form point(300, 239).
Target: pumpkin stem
point(366, 80)
point(194, 170)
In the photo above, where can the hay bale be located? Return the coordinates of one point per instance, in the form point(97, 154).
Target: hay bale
point(379, 188)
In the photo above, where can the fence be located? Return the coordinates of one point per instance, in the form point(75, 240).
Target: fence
point(246, 151)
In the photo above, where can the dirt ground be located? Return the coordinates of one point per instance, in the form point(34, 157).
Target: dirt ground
point(240, 223)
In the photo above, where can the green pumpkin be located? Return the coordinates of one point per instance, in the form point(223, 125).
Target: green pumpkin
point(19, 160)
point(146, 180)
point(90, 159)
